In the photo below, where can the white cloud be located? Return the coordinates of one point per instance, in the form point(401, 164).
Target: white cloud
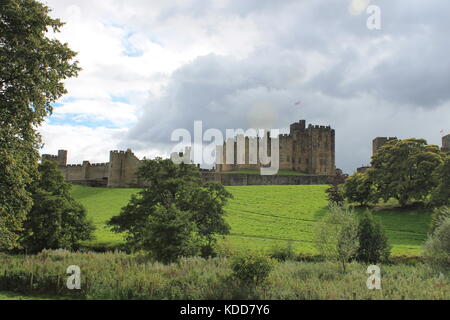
point(162, 64)
point(83, 143)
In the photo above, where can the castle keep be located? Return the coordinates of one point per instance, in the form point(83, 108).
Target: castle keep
point(305, 149)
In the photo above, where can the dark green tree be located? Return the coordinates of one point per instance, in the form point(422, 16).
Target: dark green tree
point(56, 220)
point(32, 69)
point(334, 193)
point(178, 191)
point(402, 169)
point(441, 194)
point(358, 188)
point(373, 243)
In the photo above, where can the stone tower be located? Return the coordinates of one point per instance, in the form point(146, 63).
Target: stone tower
point(61, 158)
point(122, 169)
point(446, 143)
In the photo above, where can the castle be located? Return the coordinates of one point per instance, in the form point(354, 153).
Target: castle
point(305, 149)
point(120, 171)
point(309, 150)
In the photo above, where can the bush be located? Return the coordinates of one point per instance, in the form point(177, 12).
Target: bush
point(336, 236)
point(438, 217)
point(437, 247)
point(373, 244)
point(283, 254)
point(252, 269)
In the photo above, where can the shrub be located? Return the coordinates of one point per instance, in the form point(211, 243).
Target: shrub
point(437, 247)
point(335, 195)
point(438, 217)
point(252, 269)
point(373, 244)
point(281, 253)
point(336, 236)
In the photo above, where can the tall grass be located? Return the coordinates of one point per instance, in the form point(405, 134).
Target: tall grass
point(121, 276)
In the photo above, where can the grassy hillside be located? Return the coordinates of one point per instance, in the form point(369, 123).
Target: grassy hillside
point(265, 216)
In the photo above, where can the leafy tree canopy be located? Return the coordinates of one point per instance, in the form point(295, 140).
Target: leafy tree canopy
point(32, 69)
point(177, 213)
point(56, 220)
point(402, 169)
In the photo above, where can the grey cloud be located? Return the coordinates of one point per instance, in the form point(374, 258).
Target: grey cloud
point(394, 81)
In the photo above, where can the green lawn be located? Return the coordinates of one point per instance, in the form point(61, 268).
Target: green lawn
point(263, 216)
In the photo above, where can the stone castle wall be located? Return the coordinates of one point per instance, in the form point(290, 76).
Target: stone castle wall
point(237, 179)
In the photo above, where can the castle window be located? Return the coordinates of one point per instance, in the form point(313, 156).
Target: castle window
point(288, 158)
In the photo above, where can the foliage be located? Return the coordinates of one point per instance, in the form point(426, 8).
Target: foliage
point(177, 190)
point(441, 194)
point(56, 220)
point(336, 236)
point(438, 217)
point(252, 269)
point(169, 234)
point(283, 254)
point(358, 188)
point(32, 70)
point(437, 247)
point(117, 276)
point(401, 170)
point(261, 217)
point(373, 243)
point(335, 193)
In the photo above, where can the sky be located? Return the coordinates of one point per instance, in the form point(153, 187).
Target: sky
point(153, 66)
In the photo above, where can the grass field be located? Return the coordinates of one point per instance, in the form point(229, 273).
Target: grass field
point(265, 216)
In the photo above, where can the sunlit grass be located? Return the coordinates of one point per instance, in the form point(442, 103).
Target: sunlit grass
point(264, 216)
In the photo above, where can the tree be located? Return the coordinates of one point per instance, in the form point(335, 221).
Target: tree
point(32, 70)
point(336, 236)
point(402, 169)
point(56, 220)
point(437, 247)
point(441, 194)
point(358, 188)
point(373, 243)
point(170, 234)
point(334, 193)
point(177, 190)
